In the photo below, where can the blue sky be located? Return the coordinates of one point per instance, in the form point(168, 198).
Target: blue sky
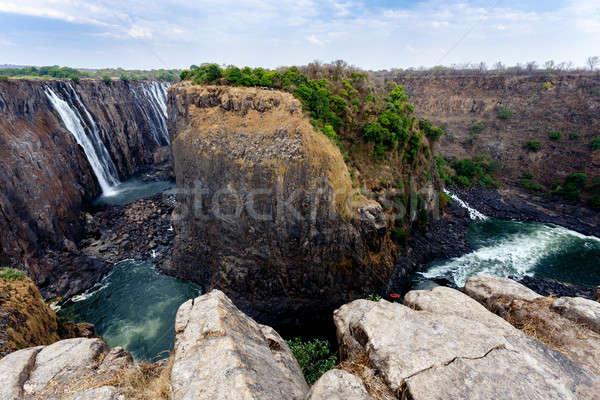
point(371, 34)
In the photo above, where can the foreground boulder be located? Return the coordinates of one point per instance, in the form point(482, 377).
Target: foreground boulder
point(73, 368)
point(337, 384)
point(220, 353)
point(570, 325)
point(266, 210)
point(448, 346)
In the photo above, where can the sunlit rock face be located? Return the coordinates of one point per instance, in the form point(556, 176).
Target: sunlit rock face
point(266, 210)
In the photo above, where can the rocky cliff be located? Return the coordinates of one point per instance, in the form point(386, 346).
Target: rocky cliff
point(47, 177)
point(439, 344)
point(540, 103)
point(267, 212)
point(25, 320)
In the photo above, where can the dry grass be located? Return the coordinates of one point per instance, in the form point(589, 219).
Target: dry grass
point(361, 366)
point(145, 381)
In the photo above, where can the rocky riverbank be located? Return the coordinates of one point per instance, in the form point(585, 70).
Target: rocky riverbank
point(507, 203)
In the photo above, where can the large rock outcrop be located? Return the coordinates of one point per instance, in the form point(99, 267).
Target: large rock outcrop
point(568, 324)
point(220, 353)
point(46, 179)
point(267, 212)
point(445, 345)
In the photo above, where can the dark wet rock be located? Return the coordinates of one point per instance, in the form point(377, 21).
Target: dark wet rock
point(551, 287)
point(140, 230)
point(445, 238)
point(514, 204)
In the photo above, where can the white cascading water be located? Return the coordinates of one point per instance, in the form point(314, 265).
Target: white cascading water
point(93, 147)
point(515, 249)
point(156, 94)
point(473, 213)
point(152, 98)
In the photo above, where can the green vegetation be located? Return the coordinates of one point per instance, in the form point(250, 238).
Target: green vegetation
point(444, 170)
point(532, 145)
point(547, 86)
point(374, 297)
point(594, 189)
point(477, 128)
point(432, 132)
point(107, 79)
point(574, 135)
point(595, 145)
point(3, 78)
point(124, 78)
point(314, 356)
point(572, 187)
point(11, 274)
point(505, 114)
point(395, 130)
point(554, 135)
point(341, 104)
point(475, 171)
point(68, 73)
point(74, 78)
point(528, 183)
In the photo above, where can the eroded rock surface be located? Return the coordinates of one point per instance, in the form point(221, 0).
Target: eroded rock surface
point(220, 353)
point(446, 345)
point(338, 385)
point(567, 324)
point(68, 369)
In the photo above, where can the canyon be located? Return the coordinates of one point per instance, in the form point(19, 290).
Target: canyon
point(46, 179)
point(268, 219)
point(540, 103)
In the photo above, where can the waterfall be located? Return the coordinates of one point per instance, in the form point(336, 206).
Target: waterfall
point(156, 95)
point(473, 213)
point(90, 141)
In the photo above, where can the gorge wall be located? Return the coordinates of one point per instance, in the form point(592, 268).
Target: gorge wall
point(541, 103)
point(46, 175)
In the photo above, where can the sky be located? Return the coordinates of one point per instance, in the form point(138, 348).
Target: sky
point(372, 34)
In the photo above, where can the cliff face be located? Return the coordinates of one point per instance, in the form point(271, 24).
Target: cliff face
point(540, 103)
point(46, 176)
point(266, 209)
point(25, 320)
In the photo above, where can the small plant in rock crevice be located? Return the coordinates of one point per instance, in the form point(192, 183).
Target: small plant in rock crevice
point(11, 274)
point(314, 357)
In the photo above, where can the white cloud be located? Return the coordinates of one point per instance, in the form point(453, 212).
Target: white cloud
point(6, 42)
point(276, 32)
point(315, 40)
point(138, 32)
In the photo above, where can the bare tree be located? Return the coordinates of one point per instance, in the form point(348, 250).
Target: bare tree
point(592, 62)
point(531, 66)
point(549, 65)
point(499, 66)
